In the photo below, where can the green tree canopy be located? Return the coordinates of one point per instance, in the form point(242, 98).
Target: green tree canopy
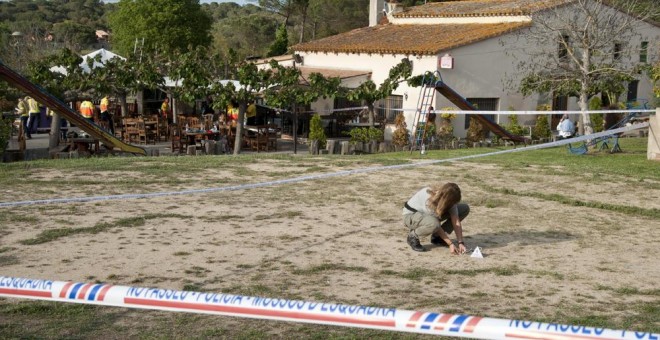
point(369, 93)
point(165, 25)
point(246, 35)
point(281, 43)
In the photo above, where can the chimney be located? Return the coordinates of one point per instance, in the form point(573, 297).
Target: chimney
point(376, 11)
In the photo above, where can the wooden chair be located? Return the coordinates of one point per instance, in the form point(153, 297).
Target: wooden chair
point(193, 123)
point(145, 135)
point(163, 129)
point(262, 138)
point(208, 121)
point(273, 132)
point(250, 139)
point(177, 138)
point(119, 127)
point(130, 130)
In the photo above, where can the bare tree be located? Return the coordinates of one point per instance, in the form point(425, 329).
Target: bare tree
point(584, 47)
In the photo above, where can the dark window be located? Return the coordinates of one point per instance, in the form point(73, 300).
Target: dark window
point(389, 108)
point(559, 103)
point(605, 99)
point(343, 103)
point(562, 51)
point(632, 91)
point(482, 104)
point(616, 53)
point(644, 52)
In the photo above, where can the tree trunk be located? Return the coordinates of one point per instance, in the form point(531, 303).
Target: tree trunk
point(302, 26)
point(123, 104)
point(371, 114)
point(54, 138)
point(295, 129)
point(242, 106)
point(585, 128)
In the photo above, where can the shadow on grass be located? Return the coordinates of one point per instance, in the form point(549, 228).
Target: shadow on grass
point(523, 238)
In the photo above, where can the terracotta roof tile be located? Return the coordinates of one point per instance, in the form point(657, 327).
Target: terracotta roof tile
point(478, 8)
point(407, 39)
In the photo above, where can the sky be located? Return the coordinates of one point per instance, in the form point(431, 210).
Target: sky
point(240, 2)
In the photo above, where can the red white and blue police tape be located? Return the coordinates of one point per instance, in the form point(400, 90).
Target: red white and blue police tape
point(320, 176)
point(389, 319)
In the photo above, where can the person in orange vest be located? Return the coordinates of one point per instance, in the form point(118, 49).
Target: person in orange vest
point(106, 116)
point(22, 111)
point(87, 110)
point(165, 110)
point(34, 111)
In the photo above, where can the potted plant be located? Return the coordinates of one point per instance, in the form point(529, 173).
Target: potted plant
point(401, 135)
point(445, 131)
point(317, 138)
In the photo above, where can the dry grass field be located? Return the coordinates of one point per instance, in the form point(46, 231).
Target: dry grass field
point(569, 239)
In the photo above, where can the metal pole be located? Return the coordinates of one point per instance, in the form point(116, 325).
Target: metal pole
point(295, 129)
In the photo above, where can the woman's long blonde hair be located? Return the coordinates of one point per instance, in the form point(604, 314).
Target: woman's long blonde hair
point(443, 197)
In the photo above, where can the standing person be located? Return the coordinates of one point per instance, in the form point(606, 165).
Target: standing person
point(105, 114)
point(425, 212)
point(565, 128)
point(430, 121)
point(232, 113)
point(430, 118)
point(22, 110)
point(165, 110)
point(87, 110)
point(34, 109)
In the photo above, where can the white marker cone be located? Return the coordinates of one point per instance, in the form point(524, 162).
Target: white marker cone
point(477, 253)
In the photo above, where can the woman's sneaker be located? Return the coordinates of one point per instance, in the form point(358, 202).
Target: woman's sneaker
point(413, 242)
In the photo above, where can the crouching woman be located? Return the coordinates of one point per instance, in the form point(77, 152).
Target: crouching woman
point(436, 211)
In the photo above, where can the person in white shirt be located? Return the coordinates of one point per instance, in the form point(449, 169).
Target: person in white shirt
point(565, 128)
point(425, 211)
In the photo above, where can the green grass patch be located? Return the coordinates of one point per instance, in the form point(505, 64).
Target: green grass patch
point(328, 267)
point(129, 222)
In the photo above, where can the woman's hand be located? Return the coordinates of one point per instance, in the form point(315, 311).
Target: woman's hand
point(454, 250)
point(461, 248)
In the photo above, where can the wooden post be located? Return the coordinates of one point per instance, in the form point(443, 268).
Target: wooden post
point(653, 149)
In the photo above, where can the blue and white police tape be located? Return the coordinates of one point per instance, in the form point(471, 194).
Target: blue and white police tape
point(472, 112)
point(335, 314)
point(523, 113)
point(320, 176)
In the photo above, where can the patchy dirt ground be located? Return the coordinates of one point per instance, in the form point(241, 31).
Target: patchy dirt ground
point(342, 240)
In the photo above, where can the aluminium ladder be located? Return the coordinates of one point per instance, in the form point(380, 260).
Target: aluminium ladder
point(424, 102)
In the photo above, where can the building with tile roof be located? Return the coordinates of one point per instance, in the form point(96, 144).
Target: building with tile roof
point(483, 39)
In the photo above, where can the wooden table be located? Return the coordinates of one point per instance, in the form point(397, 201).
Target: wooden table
point(195, 137)
point(153, 126)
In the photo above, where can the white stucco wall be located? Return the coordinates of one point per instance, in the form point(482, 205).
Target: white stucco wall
point(485, 69)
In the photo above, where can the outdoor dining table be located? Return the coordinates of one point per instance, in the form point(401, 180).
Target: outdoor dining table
point(194, 136)
point(153, 126)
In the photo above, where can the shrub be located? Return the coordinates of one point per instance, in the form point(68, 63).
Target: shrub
point(401, 136)
point(316, 131)
point(476, 132)
point(365, 135)
point(513, 127)
point(446, 130)
point(5, 133)
point(541, 128)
